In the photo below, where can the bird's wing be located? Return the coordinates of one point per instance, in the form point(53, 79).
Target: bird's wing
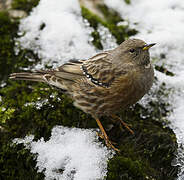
point(99, 69)
point(69, 71)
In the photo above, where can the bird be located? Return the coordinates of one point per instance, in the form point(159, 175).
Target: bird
point(104, 84)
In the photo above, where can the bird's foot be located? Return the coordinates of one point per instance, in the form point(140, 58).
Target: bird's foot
point(126, 125)
point(123, 123)
point(100, 135)
point(110, 144)
point(104, 136)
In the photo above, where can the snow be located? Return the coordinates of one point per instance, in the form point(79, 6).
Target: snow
point(162, 22)
point(69, 154)
point(108, 41)
point(56, 31)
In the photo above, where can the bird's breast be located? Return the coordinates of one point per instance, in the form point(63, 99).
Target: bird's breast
point(131, 87)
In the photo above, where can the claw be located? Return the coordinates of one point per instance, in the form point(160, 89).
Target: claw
point(109, 144)
point(100, 135)
point(105, 137)
point(123, 123)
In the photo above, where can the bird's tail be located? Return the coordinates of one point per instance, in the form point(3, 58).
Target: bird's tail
point(48, 77)
point(35, 76)
point(62, 77)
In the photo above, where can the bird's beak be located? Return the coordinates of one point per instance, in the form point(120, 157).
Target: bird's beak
point(147, 46)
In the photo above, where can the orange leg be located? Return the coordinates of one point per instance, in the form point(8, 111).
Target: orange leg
point(107, 141)
point(123, 123)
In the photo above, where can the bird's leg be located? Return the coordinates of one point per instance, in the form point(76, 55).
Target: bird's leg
point(123, 123)
point(105, 137)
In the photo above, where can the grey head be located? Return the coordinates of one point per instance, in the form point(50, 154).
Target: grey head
point(133, 51)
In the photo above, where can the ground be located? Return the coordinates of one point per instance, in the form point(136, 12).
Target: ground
point(146, 155)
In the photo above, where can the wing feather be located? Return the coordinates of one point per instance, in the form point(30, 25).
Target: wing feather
point(99, 69)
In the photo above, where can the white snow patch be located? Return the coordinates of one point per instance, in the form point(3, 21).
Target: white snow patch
point(70, 154)
point(57, 32)
point(162, 22)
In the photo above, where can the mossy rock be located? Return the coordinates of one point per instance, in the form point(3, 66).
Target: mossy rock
point(35, 108)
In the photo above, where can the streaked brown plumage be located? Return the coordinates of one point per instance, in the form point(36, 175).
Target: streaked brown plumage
point(105, 83)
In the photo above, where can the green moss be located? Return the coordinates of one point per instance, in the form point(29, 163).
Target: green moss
point(96, 40)
point(9, 61)
point(110, 15)
point(5, 114)
point(25, 5)
point(44, 106)
point(8, 30)
point(93, 20)
point(127, 1)
point(143, 155)
point(164, 70)
point(17, 163)
point(125, 168)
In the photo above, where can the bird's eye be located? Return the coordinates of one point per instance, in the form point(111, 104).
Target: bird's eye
point(132, 50)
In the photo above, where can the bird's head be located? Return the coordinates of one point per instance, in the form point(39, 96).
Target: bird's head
point(135, 51)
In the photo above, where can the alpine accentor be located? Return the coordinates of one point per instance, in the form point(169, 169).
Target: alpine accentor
point(105, 83)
